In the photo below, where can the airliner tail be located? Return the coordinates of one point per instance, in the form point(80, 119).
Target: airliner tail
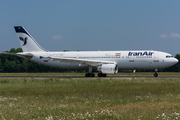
point(27, 42)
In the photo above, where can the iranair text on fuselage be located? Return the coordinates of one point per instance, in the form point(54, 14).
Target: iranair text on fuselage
point(140, 53)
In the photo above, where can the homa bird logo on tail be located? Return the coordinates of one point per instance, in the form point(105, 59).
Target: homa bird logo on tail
point(24, 40)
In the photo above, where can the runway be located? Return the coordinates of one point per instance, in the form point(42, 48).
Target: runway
point(75, 77)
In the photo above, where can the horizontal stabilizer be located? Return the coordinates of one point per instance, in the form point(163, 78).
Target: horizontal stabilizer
point(23, 55)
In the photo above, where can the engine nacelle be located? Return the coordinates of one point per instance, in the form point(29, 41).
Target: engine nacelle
point(108, 68)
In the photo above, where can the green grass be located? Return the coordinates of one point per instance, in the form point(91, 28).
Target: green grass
point(137, 74)
point(89, 99)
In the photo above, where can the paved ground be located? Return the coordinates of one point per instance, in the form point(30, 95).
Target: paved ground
point(85, 77)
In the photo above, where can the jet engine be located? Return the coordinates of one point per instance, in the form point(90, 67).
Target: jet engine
point(108, 68)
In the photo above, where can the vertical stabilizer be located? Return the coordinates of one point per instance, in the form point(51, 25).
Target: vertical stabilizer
point(27, 42)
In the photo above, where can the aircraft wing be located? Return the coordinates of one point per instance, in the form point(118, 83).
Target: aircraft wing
point(81, 61)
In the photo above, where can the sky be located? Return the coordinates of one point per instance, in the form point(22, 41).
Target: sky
point(93, 25)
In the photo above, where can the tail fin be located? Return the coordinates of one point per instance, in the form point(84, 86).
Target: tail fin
point(27, 42)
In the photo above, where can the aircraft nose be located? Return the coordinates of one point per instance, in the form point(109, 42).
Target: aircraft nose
point(176, 60)
point(171, 61)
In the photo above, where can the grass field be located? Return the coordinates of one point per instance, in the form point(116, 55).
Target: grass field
point(137, 74)
point(54, 99)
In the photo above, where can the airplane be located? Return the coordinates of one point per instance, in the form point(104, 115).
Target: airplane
point(106, 62)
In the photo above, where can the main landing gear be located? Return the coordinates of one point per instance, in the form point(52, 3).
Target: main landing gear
point(90, 74)
point(155, 74)
point(102, 75)
point(93, 75)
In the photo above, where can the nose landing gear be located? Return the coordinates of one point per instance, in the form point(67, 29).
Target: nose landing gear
point(155, 74)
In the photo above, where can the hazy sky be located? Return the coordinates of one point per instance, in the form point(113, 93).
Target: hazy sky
point(93, 24)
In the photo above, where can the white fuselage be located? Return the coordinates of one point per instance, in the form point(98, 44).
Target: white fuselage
point(126, 60)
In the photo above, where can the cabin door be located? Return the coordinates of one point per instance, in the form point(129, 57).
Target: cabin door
point(132, 63)
point(156, 58)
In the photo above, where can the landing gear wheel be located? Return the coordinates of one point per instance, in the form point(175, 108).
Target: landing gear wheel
point(99, 74)
point(89, 75)
point(102, 75)
point(155, 74)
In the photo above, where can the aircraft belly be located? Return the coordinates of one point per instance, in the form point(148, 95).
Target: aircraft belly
point(135, 65)
point(124, 65)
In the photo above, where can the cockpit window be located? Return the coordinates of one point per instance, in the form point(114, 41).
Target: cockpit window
point(168, 56)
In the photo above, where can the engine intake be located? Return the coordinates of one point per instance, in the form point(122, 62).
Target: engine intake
point(108, 68)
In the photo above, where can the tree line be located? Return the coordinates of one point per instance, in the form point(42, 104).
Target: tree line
point(11, 63)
